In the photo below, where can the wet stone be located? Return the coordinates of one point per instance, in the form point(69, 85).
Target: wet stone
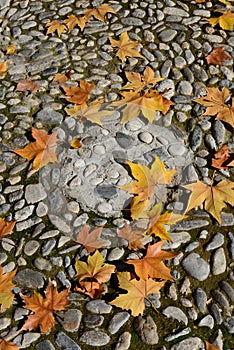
point(117, 321)
point(146, 329)
point(93, 321)
point(65, 342)
point(95, 338)
point(196, 266)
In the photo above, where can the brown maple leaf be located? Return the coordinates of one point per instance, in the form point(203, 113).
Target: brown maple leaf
point(218, 56)
point(152, 264)
point(137, 292)
point(7, 345)
point(28, 85)
point(55, 26)
point(43, 308)
point(90, 240)
point(72, 21)
point(42, 150)
point(139, 82)
point(214, 197)
point(222, 158)
point(3, 68)
point(99, 12)
point(91, 288)
point(62, 78)
point(126, 47)
point(132, 236)
point(215, 101)
point(78, 94)
point(6, 295)
point(6, 227)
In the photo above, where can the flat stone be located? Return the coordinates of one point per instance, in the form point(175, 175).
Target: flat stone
point(201, 299)
point(216, 242)
point(124, 341)
point(30, 278)
point(176, 314)
point(4, 322)
point(98, 307)
point(95, 338)
point(65, 342)
point(167, 35)
point(117, 321)
point(93, 321)
point(45, 345)
point(218, 262)
point(189, 343)
point(227, 289)
point(146, 329)
point(49, 116)
point(4, 3)
point(71, 320)
point(196, 266)
point(207, 321)
point(31, 247)
point(34, 193)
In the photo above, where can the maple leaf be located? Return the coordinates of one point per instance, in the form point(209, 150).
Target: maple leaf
point(6, 295)
point(215, 197)
point(3, 68)
point(95, 268)
point(7, 345)
point(218, 55)
point(78, 94)
point(10, 50)
point(28, 85)
point(43, 308)
point(126, 47)
point(132, 236)
point(73, 21)
point(226, 20)
point(152, 264)
point(92, 112)
point(91, 288)
point(226, 2)
point(223, 159)
point(135, 103)
point(55, 26)
point(215, 103)
point(139, 82)
point(147, 178)
point(42, 150)
point(139, 207)
point(99, 12)
point(6, 227)
point(62, 78)
point(211, 346)
point(90, 240)
point(157, 222)
point(137, 292)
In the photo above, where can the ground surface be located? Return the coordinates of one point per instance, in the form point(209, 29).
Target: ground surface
point(51, 205)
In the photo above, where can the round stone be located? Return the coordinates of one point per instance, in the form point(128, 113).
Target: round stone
point(31, 247)
point(95, 338)
point(184, 88)
point(104, 208)
point(176, 149)
point(196, 266)
point(145, 137)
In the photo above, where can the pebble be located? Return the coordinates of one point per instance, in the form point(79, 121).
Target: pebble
point(216, 242)
point(201, 299)
point(207, 321)
point(31, 247)
point(65, 342)
point(189, 343)
point(45, 345)
point(176, 314)
point(93, 321)
point(98, 307)
point(124, 341)
point(95, 338)
point(30, 278)
point(227, 289)
point(34, 193)
point(215, 312)
point(196, 266)
point(71, 320)
point(117, 321)
point(218, 262)
point(146, 329)
point(167, 35)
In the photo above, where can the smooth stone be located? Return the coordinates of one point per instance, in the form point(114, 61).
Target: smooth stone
point(60, 223)
point(229, 325)
point(98, 307)
point(218, 262)
point(31, 247)
point(124, 341)
point(196, 266)
point(201, 299)
point(227, 289)
point(216, 242)
point(95, 338)
point(176, 314)
point(176, 149)
point(117, 321)
point(177, 335)
point(48, 115)
point(167, 35)
point(4, 322)
point(145, 137)
point(65, 342)
point(45, 345)
point(184, 88)
point(71, 320)
point(42, 264)
point(30, 278)
point(215, 312)
point(93, 321)
point(207, 321)
point(192, 343)
point(35, 193)
point(146, 329)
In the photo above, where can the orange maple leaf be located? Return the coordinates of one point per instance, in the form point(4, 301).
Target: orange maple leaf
point(139, 82)
point(6, 295)
point(28, 85)
point(62, 78)
point(43, 308)
point(55, 26)
point(42, 150)
point(3, 68)
point(222, 158)
point(126, 47)
point(91, 288)
point(6, 227)
point(90, 240)
point(218, 56)
point(152, 264)
point(10, 50)
point(78, 94)
point(7, 345)
point(137, 292)
point(99, 12)
point(132, 236)
point(211, 346)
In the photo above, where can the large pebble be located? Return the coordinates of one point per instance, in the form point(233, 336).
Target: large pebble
point(196, 266)
point(146, 329)
point(95, 338)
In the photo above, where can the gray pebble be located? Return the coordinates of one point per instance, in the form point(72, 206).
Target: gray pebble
point(146, 329)
point(196, 266)
point(176, 314)
point(218, 262)
point(93, 321)
point(124, 341)
point(117, 321)
point(65, 342)
point(95, 338)
point(98, 307)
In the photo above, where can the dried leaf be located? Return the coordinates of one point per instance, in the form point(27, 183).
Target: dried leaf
point(10, 50)
point(218, 56)
point(99, 12)
point(139, 82)
point(6, 295)
point(152, 264)
point(137, 292)
point(3, 68)
point(62, 78)
point(78, 94)
point(90, 240)
point(28, 85)
point(92, 289)
point(6, 227)
point(7, 345)
point(211, 346)
point(221, 158)
point(132, 236)
point(72, 21)
point(43, 308)
point(226, 20)
point(42, 150)
point(126, 47)
point(55, 26)
point(76, 143)
point(214, 197)
point(215, 101)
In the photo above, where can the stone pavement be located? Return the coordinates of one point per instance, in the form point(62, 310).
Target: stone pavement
point(52, 204)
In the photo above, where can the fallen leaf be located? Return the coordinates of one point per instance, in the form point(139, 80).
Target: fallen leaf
point(92, 112)
point(99, 12)
point(92, 289)
point(132, 236)
point(138, 208)
point(157, 222)
point(55, 26)
point(126, 47)
point(78, 94)
point(139, 82)
point(226, 20)
point(215, 101)
point(6, 295)
point(10, 50)
point(214, 197)
point(222, 158)
point(7, 345)
point(28, 85)
point(218, 56)
point(90, 240)
point(76, 143)
point(211, 346)
point(3, 68)
point(6, 227)
point(95, 268)
point(72, 21)
point(43, 308)
point(137, 292)
point(152, 264)
point(42, 150)
point(62, 78)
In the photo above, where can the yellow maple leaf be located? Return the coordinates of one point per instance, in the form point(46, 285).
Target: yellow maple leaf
point(139, 82)
point(99, 12)
point(137, 292)
point(10, 50)
point(215, 197)
point(126, 47)
point(55, 26)
point(226, 20)
point(215, 101)
point(3, 68)
point(73, 21)
point(6, 295)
